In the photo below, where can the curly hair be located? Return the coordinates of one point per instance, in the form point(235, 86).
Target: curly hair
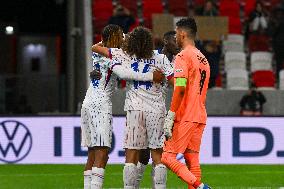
point(139, 42)
point(112, 36)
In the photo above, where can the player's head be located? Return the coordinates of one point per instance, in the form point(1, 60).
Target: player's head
point(170, 44)
point(112, 36)
point(139, 42)
point(186, 29)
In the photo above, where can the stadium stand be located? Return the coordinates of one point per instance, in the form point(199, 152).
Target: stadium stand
point(149, 8)
point(178, 7)
point(130, 5)
point(100, 18)
point(261, 61)
point(237, 79)
point(235, 60)
point(258, 42)
point(234, 42)
point(264, 79)
point(235, 25)
point(249, 6)
point(281, 80)
point(240, 51)
point(229, 8)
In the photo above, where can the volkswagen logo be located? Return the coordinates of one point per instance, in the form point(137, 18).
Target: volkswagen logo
point(15, 141)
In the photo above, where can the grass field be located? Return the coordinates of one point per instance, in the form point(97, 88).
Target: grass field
point(70, 176)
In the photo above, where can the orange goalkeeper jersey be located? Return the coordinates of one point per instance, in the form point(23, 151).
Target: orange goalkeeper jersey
point(191, 64)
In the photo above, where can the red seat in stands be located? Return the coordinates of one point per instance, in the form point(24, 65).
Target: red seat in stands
point(178, 7)
point(258, 43)
point(235, 26)
point(218, 81)
point(249, 7)
point(263, 78)
point(229, 8)
point(102, 11)
point(151, 7)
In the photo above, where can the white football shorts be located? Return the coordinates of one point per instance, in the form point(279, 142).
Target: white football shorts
point(96, 128)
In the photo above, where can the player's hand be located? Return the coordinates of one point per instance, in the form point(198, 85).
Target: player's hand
point(158, 76)
point(168, 125)
point(95, 74)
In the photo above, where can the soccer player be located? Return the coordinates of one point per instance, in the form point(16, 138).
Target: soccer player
point(144, 104)
point(187, 116)
point(96, 112)
point(170, 50)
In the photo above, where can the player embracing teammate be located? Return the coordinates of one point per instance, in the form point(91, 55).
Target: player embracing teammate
point(96, 112)
point(145, 106)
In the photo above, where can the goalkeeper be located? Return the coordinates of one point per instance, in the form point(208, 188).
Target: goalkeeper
point(187, 116)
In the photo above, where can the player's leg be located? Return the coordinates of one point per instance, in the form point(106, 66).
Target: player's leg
point(134, 140)
point(154, 125)
point(191, 154)
point(88, 168)
point(178, 144)
point(98, 169)
point(86, 142)
point(101, 138)
point(144, 156)
point(192, 162)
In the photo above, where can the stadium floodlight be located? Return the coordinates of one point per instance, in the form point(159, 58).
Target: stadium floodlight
point(9, 30)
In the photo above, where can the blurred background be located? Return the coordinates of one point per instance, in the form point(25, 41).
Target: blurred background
point(45, 60)
point(45, 51)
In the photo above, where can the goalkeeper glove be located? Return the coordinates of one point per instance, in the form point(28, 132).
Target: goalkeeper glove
point(169, 123)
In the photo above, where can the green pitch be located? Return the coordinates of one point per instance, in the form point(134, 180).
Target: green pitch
point(70, 176)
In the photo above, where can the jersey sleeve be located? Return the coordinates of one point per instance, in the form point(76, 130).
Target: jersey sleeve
point(180, 67)
point(128, 74)
point(125, 72)
point(168, 68)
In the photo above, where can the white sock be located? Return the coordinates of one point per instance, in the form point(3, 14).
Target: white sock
point(87, 179)
point(153, 175)
point(130, 175)
point(97, 178)
point(160, 176)
point(200, 186)
point(140, 172)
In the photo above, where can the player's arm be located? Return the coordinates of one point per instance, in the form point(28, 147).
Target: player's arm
point(169, 70)
point(128, 74)
point(181, 75)
point(178, 93)
point(104, 51)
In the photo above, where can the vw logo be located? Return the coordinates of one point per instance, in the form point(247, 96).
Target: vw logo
point(15, 141)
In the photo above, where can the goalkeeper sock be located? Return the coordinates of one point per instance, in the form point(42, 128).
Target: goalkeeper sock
point(160, 176)
point(130, 175)
point(97, 178)
point(140, 171)
point(87, 179)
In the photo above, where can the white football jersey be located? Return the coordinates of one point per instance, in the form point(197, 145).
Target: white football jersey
point(144, 95)
point(99, 93)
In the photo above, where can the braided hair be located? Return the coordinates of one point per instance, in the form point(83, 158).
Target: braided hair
point(139, 42)
point(112, 36)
